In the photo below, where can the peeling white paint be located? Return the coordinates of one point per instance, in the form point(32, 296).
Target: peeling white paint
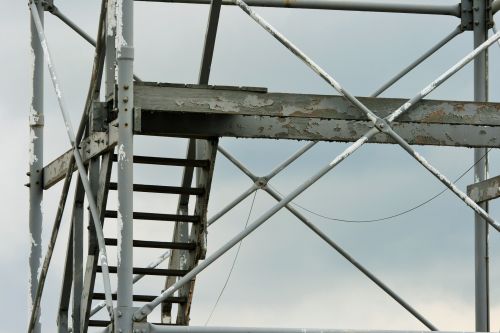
point(119, 39)
point(111, 18)
point(120, 230)
point(406, 106)
point(222, 105)
point(428, 89)
point(32, 156)
point(122, 156)
point(255, 101)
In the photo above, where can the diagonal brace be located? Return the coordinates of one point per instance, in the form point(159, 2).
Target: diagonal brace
point(78, 159)
point(383, 125)
point(379, 125)
point(273, 193)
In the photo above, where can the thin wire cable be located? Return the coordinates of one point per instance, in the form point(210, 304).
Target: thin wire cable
point(390, 216)
point(233, 264)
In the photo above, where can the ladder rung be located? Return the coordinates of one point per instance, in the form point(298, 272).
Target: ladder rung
point(157, 216)
point(163, 189)
point(143, 298)
point(150, 271)
point(154, 244)
point(169, 161)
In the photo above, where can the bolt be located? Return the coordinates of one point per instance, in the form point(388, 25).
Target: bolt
point(125, 87)
point(125, 99)
point(126, 124)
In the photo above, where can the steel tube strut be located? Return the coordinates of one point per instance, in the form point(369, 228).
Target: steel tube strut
point(388, 84)
point(93, 89)
point(341, 251)
point(225, 329)
point(57, 13)
point(457, 31)
point(77, 156)
point(36, 123)
point(364, 6)
point(380, 124)
point(481, 173)
point(259, 182)
point(124, 43)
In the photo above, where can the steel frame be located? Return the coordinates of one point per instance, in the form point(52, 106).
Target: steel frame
point(114, 56)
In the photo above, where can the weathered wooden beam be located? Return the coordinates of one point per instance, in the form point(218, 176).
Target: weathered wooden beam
point(94, 145)
point(173, 110)
point(485, 190)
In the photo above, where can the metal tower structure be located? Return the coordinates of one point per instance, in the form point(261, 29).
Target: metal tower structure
point(127, 106)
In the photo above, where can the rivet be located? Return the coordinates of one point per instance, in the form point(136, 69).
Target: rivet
point(125, 87)
point(125, 99)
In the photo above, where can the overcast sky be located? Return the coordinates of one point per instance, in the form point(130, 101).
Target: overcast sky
point(285, 275)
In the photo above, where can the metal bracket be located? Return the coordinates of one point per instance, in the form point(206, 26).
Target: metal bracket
point(137, 119)
point(48, 5)
point(141, 327)
point(98, 117)
point(466, 15)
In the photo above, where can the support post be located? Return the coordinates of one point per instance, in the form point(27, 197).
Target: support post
point(77, 230)
point(125, 58)
point(36, 163)
point(480, 10)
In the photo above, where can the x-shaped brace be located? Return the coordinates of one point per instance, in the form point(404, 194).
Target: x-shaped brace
point(263, 184)
point(379, 125)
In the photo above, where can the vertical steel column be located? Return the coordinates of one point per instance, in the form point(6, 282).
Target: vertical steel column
point(36, 163)
point(77, 230)
point(110, 58)
point(125, 151)
point(480, 9)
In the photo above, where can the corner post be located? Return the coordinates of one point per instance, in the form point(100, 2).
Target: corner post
point(125, 152)
point(36, 162)
point(481, 10)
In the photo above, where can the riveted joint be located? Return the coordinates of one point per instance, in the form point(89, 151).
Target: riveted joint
point(261, 182)
point(382, 126)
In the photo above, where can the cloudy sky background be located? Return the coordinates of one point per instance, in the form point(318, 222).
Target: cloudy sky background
point(285, 275)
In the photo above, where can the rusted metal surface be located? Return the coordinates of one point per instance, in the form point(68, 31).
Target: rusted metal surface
point(152, 97)
point(92, 146)
point(200, 112)
point(486, 190)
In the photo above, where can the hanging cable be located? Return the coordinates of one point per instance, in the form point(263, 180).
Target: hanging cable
point(406, 211)
point(233, 264)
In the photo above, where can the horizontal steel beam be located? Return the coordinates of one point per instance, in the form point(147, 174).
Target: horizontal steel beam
point(92, 146)
point(485, 190)
point(152, 328)
point(362, 6)
point(214, 111)
point(202, 111)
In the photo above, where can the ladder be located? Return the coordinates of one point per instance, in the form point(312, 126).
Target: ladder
point(187, 244)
